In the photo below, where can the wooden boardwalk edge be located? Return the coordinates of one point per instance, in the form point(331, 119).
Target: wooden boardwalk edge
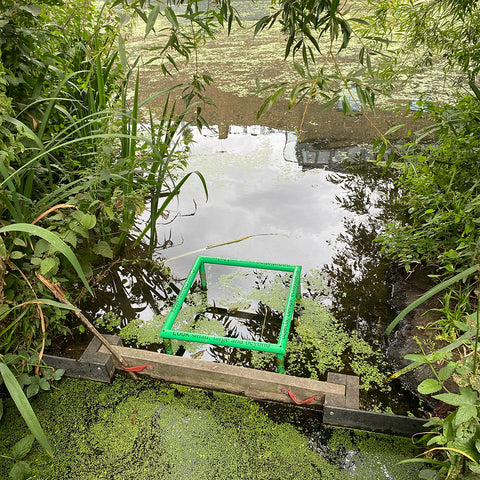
point(257, 384)
point(338, 396)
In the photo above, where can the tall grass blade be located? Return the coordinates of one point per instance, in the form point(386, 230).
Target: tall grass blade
point(24, 407)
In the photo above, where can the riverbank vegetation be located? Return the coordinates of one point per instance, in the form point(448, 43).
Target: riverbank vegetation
point(79, 166)
point(440, 226)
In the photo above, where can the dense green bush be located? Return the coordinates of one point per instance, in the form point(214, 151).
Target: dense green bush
point(441, 194)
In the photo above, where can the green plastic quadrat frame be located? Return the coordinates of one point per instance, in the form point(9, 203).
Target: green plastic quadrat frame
point(278, 348)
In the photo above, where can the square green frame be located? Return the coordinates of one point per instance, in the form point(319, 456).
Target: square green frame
point(278, 348)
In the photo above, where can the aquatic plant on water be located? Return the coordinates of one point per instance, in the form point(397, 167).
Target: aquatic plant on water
point(134, 430)
point(318, 343)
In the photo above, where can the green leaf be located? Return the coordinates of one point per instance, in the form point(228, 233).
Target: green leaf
point(24, 407)
point(152, 18)
point(88, 221)
point(47, 265)
point(44, 384)
point(16, 255)
point(108, 212)
point(465, 413)
point(22, 447)
point(437, 439)
point(446, 371)
point(393, 129)
point(70, 238)
point(122, 53)
point(33, 9)
point(3, 250)
point(19, 242)
point(24, 379)
point(361, 95)
point(41, 246)
point(330, 103)
point(171, 17)
point(32, 390)
point(55, 241)
point(450, 398)
point(469, 394)
point(58, 373)
point(467, 397)
point(299, 68)
point(429, 385)
point(20, 471)
point(474, 467)
point(463, 370)
point(103, 248)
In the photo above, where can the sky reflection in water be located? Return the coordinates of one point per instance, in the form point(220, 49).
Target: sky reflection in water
point(253, 190)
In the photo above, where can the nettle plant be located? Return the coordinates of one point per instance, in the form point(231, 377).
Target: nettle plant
point(453, 444)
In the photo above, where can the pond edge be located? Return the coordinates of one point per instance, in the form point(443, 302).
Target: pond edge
point(337, 398)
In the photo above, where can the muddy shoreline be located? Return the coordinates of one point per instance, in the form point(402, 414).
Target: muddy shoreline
point(414, 329)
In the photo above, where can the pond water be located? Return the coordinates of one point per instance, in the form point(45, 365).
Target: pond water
point(271, 199)
point(290, 211)
point(142, 430)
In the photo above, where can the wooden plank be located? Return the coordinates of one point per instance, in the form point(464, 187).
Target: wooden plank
point(92, 365)
point(339, 378)
point(98, 372)
point(249, 382)
point(352, 392)
point(372, 421)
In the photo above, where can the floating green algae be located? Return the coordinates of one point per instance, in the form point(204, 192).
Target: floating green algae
point(318, 343)
point(143, 430)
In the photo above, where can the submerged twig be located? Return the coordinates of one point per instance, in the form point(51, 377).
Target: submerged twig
point(60, 295)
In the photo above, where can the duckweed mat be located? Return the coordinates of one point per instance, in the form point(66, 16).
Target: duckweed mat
point(149, 430)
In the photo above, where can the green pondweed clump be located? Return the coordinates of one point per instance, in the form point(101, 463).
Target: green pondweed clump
point(321, 344)
point(142, 333)
point(146, 429)
point(192, 317)
point(110, 322)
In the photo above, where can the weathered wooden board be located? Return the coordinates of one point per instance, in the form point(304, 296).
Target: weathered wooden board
point(373, 421)
point(351, 399)
point(92, 365)
point(249, 382)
